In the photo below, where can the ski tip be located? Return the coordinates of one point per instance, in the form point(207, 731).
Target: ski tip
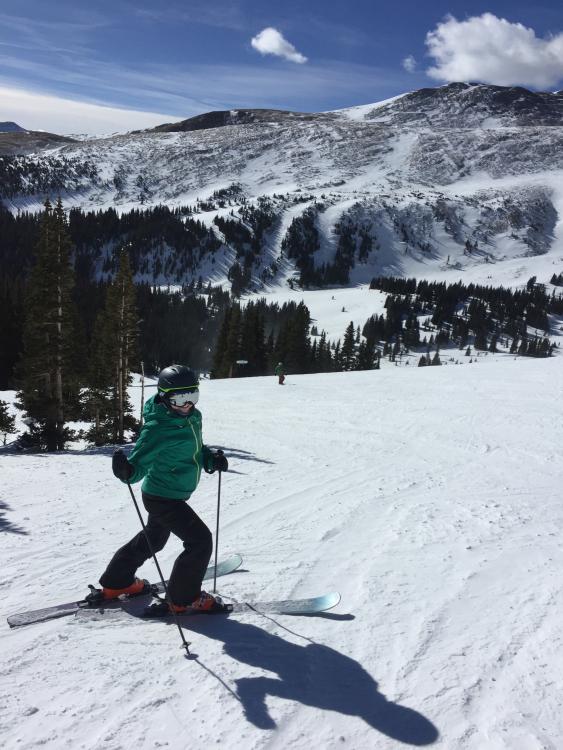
point(330, 600)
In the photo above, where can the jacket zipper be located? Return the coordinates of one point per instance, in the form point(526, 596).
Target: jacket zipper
point(195, 453)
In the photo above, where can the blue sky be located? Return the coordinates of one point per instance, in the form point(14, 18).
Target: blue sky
point(103, 66)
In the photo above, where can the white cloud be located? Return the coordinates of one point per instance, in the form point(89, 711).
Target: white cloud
point(57, 115)
point(409, 64)
point(270, 42)
point(493, 50)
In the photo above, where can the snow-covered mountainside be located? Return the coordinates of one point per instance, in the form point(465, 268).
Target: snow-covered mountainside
point(430, 498)
point(439, 181)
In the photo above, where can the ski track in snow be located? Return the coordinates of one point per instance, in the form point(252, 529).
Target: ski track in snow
point(429, 498)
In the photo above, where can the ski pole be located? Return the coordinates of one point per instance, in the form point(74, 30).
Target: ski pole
point(217, 534)
point(185, 643)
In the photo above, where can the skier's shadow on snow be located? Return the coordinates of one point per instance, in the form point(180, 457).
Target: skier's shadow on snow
point(314, 675)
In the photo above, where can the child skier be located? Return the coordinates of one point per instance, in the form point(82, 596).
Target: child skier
point(169, 456)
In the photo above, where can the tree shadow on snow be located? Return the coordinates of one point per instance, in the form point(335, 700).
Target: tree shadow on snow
point(5, 524)
point(314, 675)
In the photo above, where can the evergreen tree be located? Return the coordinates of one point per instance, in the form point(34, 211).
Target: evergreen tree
point(49, 384)
point(122, 323)
point(113, 351)
point(252, 341)
point(480, 339)
point(98, 399)
point(293, 345)
point(366, 356)
point(220, 365)
point(348, 351)
point(7, 421)
point(233, 346)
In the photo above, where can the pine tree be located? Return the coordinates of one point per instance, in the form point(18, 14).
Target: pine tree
point(49, 384)
point(122, 323)
point(113, 351)
point(7, 421)
point(366, 356)
point(98, 397)
point(252, 341)
point(220, 365)
point(348, 351)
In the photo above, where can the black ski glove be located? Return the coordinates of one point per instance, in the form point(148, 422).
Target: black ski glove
point(121, 466)
point(220, 462)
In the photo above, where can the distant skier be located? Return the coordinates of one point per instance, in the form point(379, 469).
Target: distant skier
point(280, 372)
point(169, 455)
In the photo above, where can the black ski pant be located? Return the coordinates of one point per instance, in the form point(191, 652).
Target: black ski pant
point(165, 517)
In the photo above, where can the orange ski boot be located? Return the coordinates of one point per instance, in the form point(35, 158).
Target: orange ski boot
point(137, 587)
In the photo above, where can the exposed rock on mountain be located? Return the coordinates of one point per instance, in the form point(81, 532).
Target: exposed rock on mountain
point(11, 127)
point(20, 141)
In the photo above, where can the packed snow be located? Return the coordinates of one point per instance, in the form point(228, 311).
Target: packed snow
point(430, 498)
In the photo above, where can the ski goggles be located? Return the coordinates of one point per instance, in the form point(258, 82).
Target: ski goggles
point(183, 398)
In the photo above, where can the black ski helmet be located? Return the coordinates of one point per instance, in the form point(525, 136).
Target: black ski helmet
point(177, 378)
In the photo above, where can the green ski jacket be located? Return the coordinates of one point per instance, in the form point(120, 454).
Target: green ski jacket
point(169, 453)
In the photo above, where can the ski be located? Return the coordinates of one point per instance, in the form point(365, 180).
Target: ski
point(229, 565)
point(136, 607)
point(311, 606)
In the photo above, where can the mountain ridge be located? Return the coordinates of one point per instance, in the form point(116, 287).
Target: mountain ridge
point(430, 182)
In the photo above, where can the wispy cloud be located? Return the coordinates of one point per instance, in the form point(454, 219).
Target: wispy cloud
point(38, 34)
point(271, 42)
point(223, 15)
point(168, 88)
point(163, 93)
point(55, 114)
point(409, 64)
point(338, 33)
point(493, 50)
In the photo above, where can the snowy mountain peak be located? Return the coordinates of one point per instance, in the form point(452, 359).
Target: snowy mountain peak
point(222, 118)
point(469, 105)
point(11, 127)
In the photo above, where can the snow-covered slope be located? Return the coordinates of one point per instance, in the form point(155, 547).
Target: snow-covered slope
point(420, 175)
point(429, 497)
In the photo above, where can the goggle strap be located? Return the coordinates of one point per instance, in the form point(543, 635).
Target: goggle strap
point(183, 388)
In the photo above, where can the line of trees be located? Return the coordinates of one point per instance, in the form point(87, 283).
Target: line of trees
point(262, 334)
point(459, 314)
point(75, 340)
point(60, 377)
point(69, 340)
